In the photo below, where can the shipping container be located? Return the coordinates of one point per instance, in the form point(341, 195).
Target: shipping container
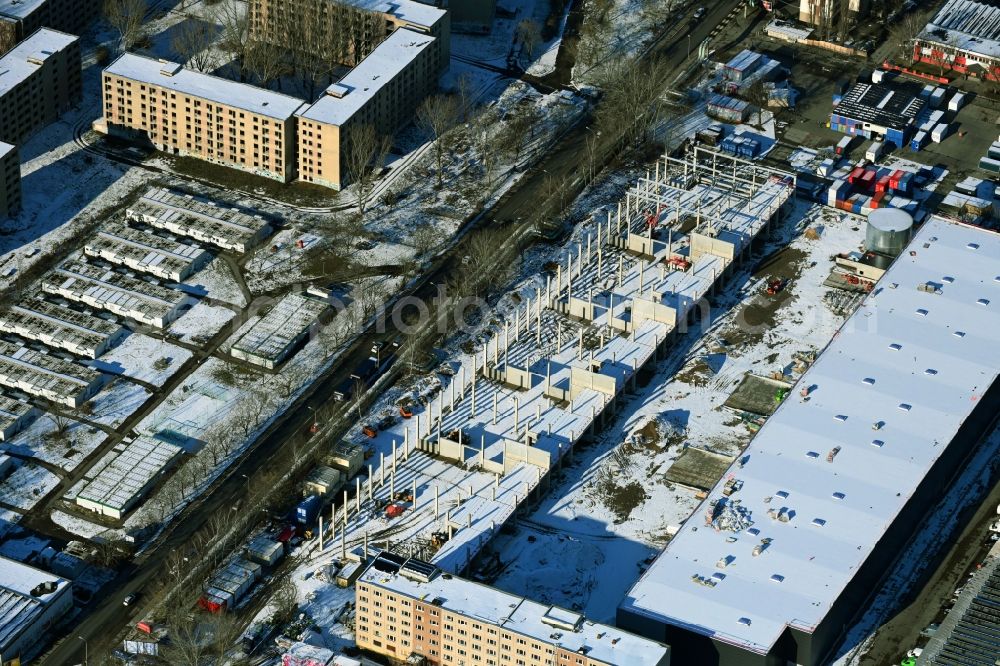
point(994, 151)
point(956, 102)
point(349, 574)
point(307, 510)
point(936, 98)
point(874, 151)
point(882, 184)
point(989, 164)
point(856, 173)
point(919, 141)
point(844, 145)
point(941, 132)
point(264, 551)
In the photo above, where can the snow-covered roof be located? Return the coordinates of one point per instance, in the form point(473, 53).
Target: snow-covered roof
point(5, 149)
point(125, 477)
point(825, 477)
point(174, 77)
point(363, 82)
point(969, 25)
point(19, 608)
point(410, 11)
point(19, 9)
point(27, 57)
point(274, 333)
point(547, 624)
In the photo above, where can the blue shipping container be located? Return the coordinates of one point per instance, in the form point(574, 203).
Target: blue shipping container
point(307, 510)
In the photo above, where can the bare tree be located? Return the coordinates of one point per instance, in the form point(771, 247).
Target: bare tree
point(286, 601)
point(61, 424)
point(234, 35)
point(425, 238)
point(126, 16)
point(192, 41)
point(187, 647)
point(365, 152)
point(903, 32)
point(225, 631)
point(437, 116)
point(529, 33)
point(264, 61)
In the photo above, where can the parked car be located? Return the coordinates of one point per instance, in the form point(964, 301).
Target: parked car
point(130, 599)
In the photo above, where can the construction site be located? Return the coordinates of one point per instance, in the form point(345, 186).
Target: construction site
point(463, 458)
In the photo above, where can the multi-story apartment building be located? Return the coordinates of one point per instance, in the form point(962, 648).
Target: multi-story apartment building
point(408, 609)
point(270, 18)
point(382, 91)
point(39, 79)
point(19, 18)
point(184, 112)
point(10, 181)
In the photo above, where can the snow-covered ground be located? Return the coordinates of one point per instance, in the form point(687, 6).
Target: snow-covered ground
point(144, 358)
point(200, 323)
point(117, 401)
point(77, 525)
point(216, 281)
point(26, 485)
point(40, 440)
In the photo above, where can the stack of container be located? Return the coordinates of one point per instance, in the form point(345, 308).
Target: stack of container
point(867, 181)
point(919, 141)
point(991, 162)
point(728, 109)
point(855, 175)
point(264, 551)
point(710, 136)
point(838, 192)
point(741, 146)
point(227, 587)
point(826, 167)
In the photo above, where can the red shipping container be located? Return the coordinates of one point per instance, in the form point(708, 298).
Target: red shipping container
point(286, 534)
point(882, 184)
point(144, 627)
point(856, 173)
point(896, 175)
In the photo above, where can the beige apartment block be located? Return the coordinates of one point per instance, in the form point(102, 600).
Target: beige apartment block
point(10, 181)
point(408, 609)
point(269, 18)
point(39, 79)
point(184, 112)
point(382, 91)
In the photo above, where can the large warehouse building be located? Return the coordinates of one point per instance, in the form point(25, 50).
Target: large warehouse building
point(838, 478)
point(963, 37)
point(31, 602)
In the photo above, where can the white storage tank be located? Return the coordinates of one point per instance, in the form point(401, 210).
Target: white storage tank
point(889, 231)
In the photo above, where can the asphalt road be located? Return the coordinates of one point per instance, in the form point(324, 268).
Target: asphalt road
point(106, 616)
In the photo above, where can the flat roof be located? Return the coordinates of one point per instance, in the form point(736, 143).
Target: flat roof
point(896, 106)
point(19, 9)
point(272, 334)
point(19, 609)
point(547, 624)
point(120, 480)
point(967, 25)
point(6, 148)
point(825, 477)
point(417, 13)
point(17, 65)
point(368, 77)
point(173, 76)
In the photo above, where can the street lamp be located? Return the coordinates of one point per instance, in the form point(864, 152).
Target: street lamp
point(315, 424)
point(86, 651)
point(248, 484)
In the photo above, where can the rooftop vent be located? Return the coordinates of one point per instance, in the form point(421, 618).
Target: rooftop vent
point(744, 621)
point(783, 494)
point(983, 301)
point(839, 495)
point(878, 442)
point(959, 334)
point(973, 246)
point(170, 68)
point(812, 454)
point(922, 312)
point(841, 417)
point(777, 578)
point(895, 346)
point(930, 371)
point(338, 90)
point(948, 278)
point(869, 380)
point(818, 522)
point(905, 406)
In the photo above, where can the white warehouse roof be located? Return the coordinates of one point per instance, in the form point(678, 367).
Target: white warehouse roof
point(410, 11)
point(968, 25)
point(205, 86)
point(19, 608)
point(887, 396)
